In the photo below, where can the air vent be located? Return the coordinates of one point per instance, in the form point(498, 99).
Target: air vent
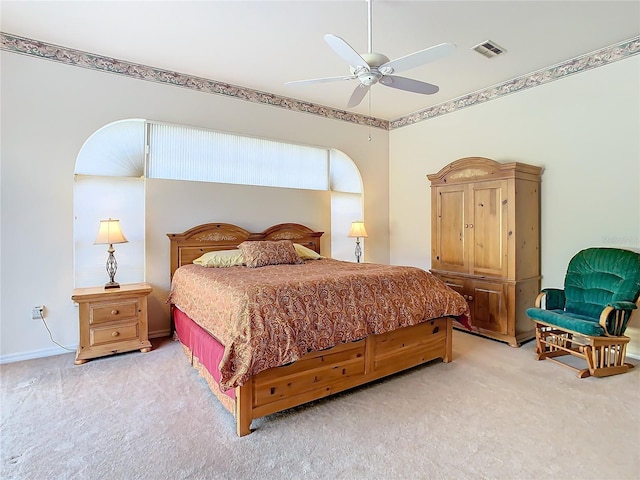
point(489, 49)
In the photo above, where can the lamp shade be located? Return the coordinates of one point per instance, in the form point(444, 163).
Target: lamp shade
point(109, 233)
point(357, 230)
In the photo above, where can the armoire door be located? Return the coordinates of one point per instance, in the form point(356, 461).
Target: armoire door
point(488, 302)
point(487, 229)
point(449, 246)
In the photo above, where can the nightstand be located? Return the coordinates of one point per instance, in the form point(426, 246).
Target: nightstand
point(112, 320)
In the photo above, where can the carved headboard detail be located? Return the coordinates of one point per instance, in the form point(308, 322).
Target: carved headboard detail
point(208, 237)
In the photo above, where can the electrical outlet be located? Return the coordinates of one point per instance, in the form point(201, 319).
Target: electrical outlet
point(38, 312)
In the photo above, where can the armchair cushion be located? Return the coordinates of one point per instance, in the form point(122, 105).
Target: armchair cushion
point(595, 278)
point(554, 298)
point(568, 321)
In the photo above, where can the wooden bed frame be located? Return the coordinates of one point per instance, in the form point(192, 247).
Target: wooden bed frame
point(317, 374)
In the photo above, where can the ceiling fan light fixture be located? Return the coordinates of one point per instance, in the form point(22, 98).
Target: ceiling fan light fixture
point(375, 59)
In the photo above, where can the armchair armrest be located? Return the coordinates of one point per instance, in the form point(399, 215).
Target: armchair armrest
point(622, 305)
point(554, 300)
point(615, 316)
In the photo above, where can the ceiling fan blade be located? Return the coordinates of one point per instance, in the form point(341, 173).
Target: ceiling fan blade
point(321, 80)
point(345, 51)
point(408, 84)
point(358, 94)
point(419, 58)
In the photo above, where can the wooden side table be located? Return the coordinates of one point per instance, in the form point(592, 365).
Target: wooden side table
point(112, 320)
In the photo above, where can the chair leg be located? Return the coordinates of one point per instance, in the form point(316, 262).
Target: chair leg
point(584, 373)
point(604, 356)
point(539, 346)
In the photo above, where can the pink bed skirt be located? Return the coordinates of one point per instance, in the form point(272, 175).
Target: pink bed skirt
point(206, 348)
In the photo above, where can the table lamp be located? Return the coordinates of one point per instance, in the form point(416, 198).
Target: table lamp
point(108, 234)
point(357, 230)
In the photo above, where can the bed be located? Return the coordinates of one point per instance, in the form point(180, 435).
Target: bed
point(271, 338)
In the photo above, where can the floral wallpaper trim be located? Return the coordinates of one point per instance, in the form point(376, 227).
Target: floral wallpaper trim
point(583, 63)
point(604, 56)
point(68, 56)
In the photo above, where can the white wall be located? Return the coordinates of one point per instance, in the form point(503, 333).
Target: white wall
point(582, 129)
point(50, 109)
point(175, 206)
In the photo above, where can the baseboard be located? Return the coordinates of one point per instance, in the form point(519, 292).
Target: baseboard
point(52, 351)
point(160, 333)
point(45, 352)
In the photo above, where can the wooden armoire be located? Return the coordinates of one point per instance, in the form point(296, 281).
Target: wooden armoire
point(485, 242)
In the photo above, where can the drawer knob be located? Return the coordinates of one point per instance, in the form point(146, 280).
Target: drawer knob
point(114, 312)
point(115, 334)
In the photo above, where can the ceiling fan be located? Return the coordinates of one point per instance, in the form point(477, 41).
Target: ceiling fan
point(371, 68)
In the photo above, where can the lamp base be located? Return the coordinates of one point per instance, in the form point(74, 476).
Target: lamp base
point(358, 250)
point(112, 267)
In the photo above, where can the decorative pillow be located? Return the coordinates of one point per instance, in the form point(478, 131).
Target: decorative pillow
point(221, 258)
point(306, 253)
point(267, 252)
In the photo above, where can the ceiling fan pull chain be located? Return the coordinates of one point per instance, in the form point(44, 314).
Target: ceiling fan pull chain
point(369, 114)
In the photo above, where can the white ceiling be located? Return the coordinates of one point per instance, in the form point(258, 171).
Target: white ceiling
point(263, 44)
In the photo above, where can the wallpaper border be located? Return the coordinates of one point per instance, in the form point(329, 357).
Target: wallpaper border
point(78, 58)
point(579, 64)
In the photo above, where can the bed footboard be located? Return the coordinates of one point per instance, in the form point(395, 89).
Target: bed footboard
point(320, 374)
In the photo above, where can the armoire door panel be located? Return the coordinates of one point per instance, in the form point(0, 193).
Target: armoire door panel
point(489, 220)
point(489, 310)
point(451, 252)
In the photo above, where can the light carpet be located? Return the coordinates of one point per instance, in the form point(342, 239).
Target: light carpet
point(493, 413)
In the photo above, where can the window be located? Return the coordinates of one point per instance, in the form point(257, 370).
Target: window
point(177, 152)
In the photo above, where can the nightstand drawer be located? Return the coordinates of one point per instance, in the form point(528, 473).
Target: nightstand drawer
point(116, 333)
point(113, 311)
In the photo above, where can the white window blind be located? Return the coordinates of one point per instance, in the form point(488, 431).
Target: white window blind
point(345, 176)
point(345, 208)
point(185, 153)
point(116, 150)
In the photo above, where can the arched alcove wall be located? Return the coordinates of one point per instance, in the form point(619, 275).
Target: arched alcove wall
point(109, 182)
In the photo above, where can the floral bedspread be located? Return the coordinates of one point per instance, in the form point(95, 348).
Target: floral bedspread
point(270, 316)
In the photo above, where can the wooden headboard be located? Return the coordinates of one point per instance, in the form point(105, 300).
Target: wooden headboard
point(187, 246)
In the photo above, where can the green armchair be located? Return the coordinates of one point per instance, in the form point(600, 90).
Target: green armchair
point(588, 318)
